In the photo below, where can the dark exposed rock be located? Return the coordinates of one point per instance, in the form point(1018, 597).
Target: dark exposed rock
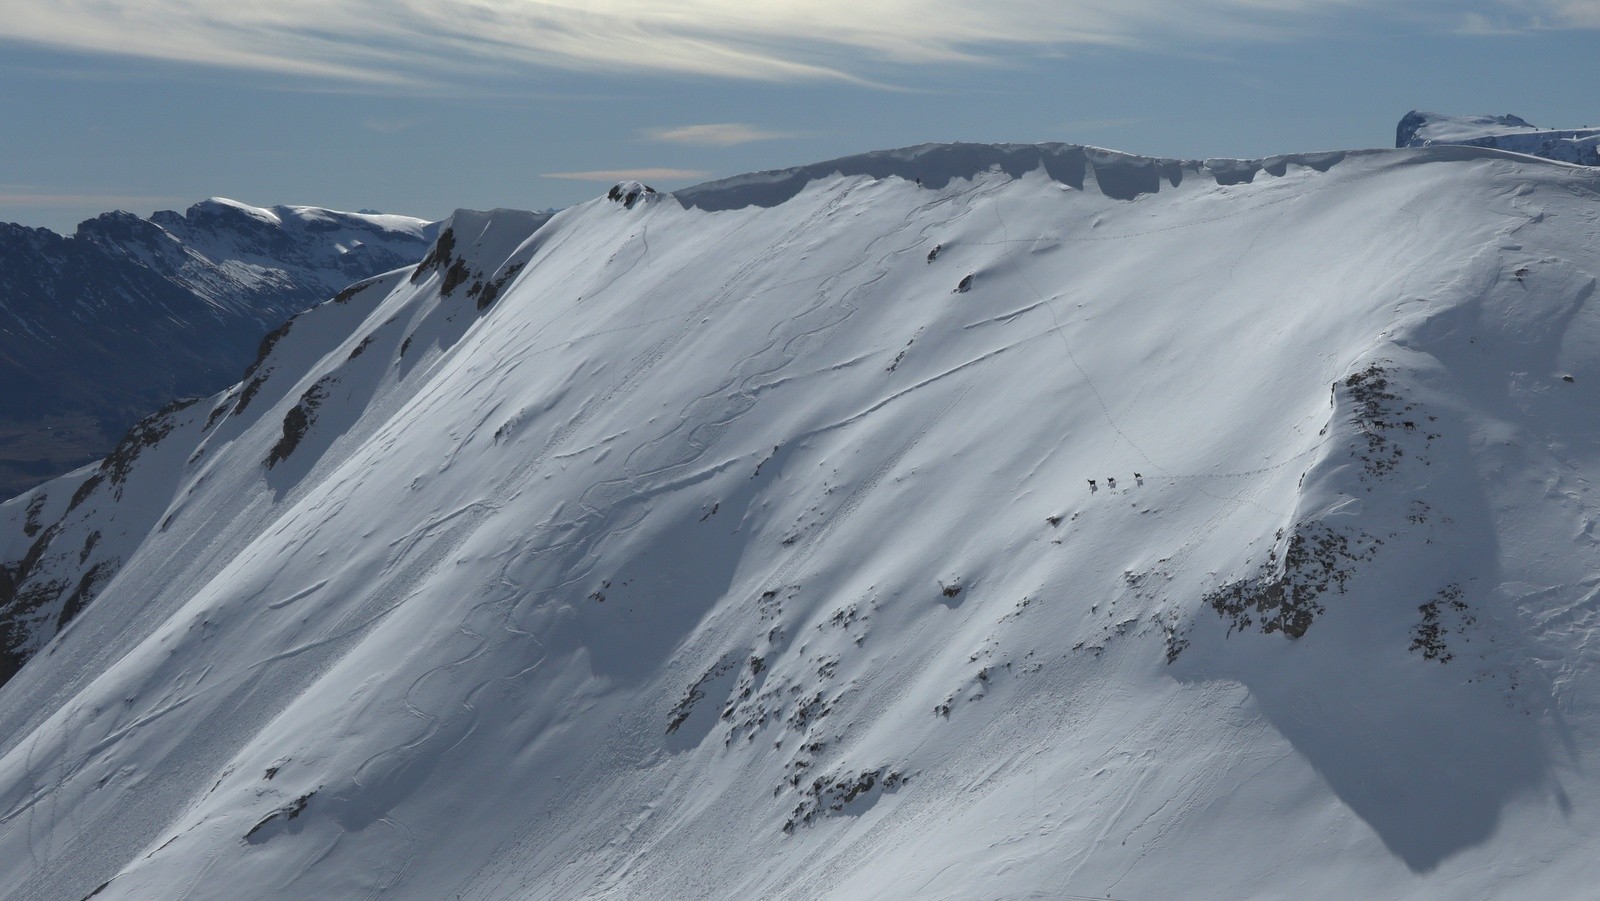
point(1379, 415)
point(145, 433)
point(829, 795)
point(455, 277)
point(286, 813)
point(88, 587)
point(296, 423)
point(488, 293)
point(1442, 616)
point(628, 193)
point(1285, 594)
point(439, 256)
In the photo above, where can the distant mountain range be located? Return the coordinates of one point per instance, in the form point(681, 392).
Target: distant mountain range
point(100, 327)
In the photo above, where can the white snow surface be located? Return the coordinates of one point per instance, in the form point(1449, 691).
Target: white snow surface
point(257, 247)
point(1570, 145)
point(742, 546)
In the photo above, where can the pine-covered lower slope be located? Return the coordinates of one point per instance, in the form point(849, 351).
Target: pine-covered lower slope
point(961, 521)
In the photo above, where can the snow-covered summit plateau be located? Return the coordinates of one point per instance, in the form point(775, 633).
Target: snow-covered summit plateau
point(1568, 145)
point(962, 521)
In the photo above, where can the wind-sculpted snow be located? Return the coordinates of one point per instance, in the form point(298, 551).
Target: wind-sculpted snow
point(1231, 539)
point(1120, 176)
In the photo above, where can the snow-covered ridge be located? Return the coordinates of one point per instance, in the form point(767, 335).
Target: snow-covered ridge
point(1118, 175)
point(987, 538)
point(479, 249)
point(1510, 133)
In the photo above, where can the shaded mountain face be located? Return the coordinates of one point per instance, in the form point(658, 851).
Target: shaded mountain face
point(958, 521)
point(1569, 145)
point(101, 327)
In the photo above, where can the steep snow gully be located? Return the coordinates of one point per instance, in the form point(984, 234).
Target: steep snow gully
point(957, 521)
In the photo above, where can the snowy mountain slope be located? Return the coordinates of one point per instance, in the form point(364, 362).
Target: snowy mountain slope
point(83, 317)
point(1571, 145)
point(742, 543)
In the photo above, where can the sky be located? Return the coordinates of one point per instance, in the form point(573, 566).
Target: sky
point(423, 106)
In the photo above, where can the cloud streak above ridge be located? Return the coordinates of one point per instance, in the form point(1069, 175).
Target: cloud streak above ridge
point(390, 40)
point(396, 41)
point(656, 173)
point(724, 134)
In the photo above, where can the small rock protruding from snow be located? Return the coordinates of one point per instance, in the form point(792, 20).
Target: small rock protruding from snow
point(628, 193)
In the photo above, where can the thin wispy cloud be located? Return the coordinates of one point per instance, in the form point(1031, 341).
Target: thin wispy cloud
point(1480, 25)
point(1523, 17)
point(48, 198)
point(725, 134)
point(1557, 14)
point(388, 126)
point(615, 175)
point(418, 40)
point(1098, 124)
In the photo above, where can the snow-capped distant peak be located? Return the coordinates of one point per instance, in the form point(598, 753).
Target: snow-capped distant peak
point(292, 217)
point(82, 316)
point(313, 216)
point(1508, 132)
point(223, 206)
point(303, 238)
point(1418, 128)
